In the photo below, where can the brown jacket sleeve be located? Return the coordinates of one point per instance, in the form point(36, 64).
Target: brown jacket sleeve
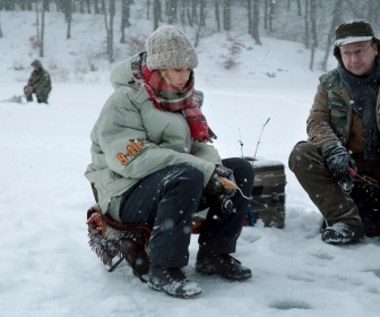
point(318, 127)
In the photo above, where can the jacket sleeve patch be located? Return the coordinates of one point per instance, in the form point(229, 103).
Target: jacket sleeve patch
point(133, 149)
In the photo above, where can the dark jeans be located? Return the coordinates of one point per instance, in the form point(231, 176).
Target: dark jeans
point(168, 199)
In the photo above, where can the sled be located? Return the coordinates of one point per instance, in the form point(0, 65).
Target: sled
point(114, 242)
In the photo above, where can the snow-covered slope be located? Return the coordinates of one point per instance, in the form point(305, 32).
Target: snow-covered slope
point(47, 268)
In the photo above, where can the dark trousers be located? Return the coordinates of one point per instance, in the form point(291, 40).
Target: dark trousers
point(168, 200)
point(367, 199)
point(221, 230)
point(361, 207)
point(41, 98)
point(28, 95)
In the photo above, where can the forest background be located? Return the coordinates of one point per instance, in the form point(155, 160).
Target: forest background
point(47, 268)
point(311, 22)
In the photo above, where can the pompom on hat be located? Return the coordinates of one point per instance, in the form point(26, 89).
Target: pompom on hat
point(353, 32)
point(168, 48)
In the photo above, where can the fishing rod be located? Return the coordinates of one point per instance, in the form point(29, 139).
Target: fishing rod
point(259, 140)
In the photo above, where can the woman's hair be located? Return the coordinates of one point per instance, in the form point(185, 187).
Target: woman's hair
point(164, 75)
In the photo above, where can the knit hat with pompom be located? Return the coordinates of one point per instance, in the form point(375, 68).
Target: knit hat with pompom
point(168, 48)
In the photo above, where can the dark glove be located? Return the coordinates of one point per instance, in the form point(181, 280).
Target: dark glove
point(339, 163)
point(224, 172)
point(215, 185)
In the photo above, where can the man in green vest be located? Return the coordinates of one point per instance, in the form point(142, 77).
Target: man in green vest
point(339, 165)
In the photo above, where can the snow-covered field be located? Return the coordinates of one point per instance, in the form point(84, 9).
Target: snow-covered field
point(47, 268)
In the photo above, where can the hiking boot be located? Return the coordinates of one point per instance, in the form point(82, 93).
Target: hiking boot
point(140, 266)
point(172, 281)
point(341, 233)
point(224, 265)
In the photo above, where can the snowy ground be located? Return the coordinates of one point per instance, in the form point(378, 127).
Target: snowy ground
point(47, 268)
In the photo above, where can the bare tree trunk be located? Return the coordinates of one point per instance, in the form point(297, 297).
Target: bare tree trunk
point(250, 17)
point(42, 33)
point(96, 7)
point(172, 11)
point(109, 27)
point(9, 5)
point(88, 5)
point(40, 29)
point(112, 16)
point(157, 17)
point(334, 23)
point(217, 15)
point(29, 5)
point(68, 11)
point(313, 14)
point(125, 14)
point(45, 5)
point(306, 19)
point(271, 14)
point(193, 13)
point(38, 26)
point(266, 10)
point(202, 12)
point(256, 20)
point(81, 6)
point(227, 15)
point(182, 12)
point(197, 35)
point(299, 9)
point(373, 11)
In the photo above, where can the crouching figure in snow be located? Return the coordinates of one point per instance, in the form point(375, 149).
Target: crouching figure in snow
point(39, 83)
point(339, 166)
point(153, 164)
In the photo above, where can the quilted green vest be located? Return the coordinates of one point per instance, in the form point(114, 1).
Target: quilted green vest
point(339, 104)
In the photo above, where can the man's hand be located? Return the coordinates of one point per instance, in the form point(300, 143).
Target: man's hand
point(29, 89)
point(339, 164)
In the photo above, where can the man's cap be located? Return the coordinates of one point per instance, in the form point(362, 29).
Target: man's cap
point(353, 32)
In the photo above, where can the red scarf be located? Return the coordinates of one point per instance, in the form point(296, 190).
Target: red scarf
point(167, 98)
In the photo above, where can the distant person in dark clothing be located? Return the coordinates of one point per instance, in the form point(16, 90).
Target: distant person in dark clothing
point(39, 83)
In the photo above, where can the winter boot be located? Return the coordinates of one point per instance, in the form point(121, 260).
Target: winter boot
point(172, 281)
point(341, 233)
point(140, 265)
point(29, 97)
point(224, 265)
